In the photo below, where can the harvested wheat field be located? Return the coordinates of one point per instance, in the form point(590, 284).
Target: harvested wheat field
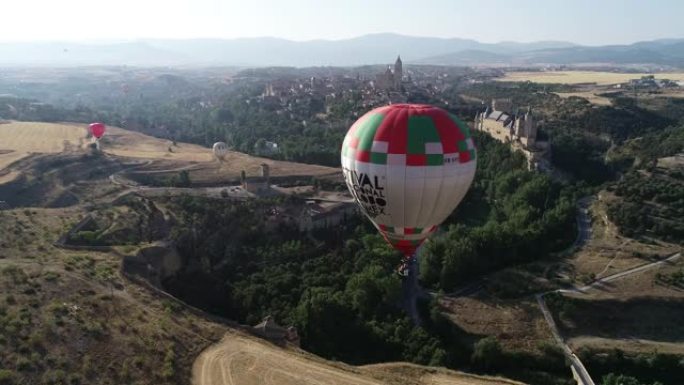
point(576, 77)
point(20, 139)
point(242, 360)
point(132, 144)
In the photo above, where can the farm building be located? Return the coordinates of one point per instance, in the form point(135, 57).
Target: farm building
point(257, 184)
point(270, 330)
point(316, 216)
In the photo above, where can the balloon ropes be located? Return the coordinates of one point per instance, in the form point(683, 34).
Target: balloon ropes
point(408, 166)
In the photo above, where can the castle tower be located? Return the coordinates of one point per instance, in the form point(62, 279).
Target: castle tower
point(398, 72)
point(519, 127)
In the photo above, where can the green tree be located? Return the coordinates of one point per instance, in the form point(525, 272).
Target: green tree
point(487, 354)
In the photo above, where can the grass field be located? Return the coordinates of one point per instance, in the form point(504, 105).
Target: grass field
point(575, 77)
point(608, 252)
point(517, 324)
point(19, 139)
point(87, 325)
point(636, 313)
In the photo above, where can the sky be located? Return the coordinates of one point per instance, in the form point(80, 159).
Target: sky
point(589, 22)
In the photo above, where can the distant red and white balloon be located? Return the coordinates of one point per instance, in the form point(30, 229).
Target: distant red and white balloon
point(97, 129)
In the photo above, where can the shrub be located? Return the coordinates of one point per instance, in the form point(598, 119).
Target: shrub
point(171, 307)
point(23, 364)
point(7, 377)
point(487, 354)
point(54, 377)
point(168, 370)
point(51, 276)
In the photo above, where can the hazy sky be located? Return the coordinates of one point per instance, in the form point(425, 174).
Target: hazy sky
point(591, 22)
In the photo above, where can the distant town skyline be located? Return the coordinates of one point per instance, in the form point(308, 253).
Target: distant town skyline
point(587, 22)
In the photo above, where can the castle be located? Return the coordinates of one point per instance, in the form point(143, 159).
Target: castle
point(520, 130)
point(391, 78)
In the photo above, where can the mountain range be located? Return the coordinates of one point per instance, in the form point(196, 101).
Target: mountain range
point(367, 49)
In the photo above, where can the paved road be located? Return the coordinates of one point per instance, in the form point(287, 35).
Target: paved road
point(575, 362)
point(583, 236)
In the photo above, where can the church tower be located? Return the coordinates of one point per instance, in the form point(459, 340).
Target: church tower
point(398, 72)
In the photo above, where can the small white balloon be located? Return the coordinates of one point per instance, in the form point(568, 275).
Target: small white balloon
point(220, 150)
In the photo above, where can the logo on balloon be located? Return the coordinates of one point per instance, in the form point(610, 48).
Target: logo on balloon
point(367, 190)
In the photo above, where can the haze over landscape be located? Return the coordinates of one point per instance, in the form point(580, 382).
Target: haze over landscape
point(310, 33)
point(215, 192)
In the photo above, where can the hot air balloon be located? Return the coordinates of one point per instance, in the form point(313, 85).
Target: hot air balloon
point(97, 129)
point(220, 150)
point(408, 166)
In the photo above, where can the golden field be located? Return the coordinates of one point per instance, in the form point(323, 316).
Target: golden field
point(576, 77)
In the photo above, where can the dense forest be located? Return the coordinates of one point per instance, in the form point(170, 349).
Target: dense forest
point(338, 287)
point(652, 192)
point(509, 216)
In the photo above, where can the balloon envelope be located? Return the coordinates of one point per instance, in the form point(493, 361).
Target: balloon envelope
point(408, 166)
point(97, 129)
point(220, 150)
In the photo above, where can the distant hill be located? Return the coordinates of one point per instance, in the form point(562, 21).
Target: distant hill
point(667, 52)
point(469, 57)
point(367, 49)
